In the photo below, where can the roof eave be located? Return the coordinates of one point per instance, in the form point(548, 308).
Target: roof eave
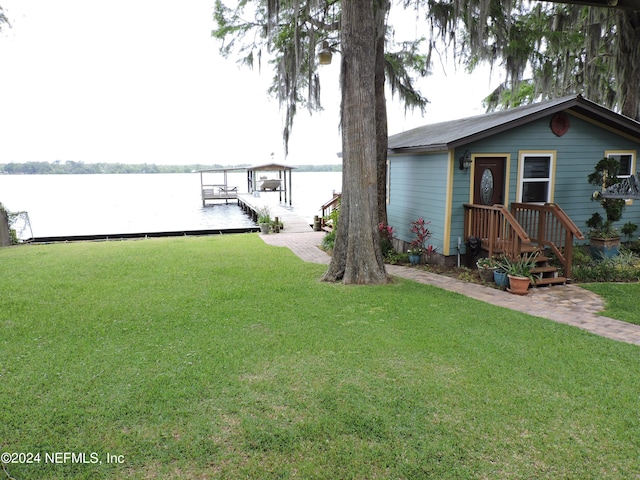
point(610, 118)
point(577, 105)
point(441, 147)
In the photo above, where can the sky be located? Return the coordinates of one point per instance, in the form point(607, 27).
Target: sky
point(141, 81)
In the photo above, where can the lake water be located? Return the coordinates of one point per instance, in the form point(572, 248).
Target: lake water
point(67, 205)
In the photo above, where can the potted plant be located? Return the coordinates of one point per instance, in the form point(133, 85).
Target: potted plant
point(604, 239)
point(415, 255)
point(501, 279)
point(518, 271)
point(277, 225)
point(264, 219)
point(418, 246)
point(486, 267)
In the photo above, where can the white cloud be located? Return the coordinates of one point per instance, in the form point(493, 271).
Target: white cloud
point(142, 81)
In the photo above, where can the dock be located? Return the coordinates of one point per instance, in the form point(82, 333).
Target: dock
point(292, 222)
point(262, 191)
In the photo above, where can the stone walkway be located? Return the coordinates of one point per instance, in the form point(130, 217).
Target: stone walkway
point(567, 304)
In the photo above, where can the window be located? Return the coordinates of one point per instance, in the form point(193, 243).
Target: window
point(626, 163)
point(536, 170)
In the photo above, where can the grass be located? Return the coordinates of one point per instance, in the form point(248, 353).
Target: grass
point(621, 300)
point(222, 357)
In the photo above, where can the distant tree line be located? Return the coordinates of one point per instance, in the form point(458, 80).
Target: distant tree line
point(71, 167)
point(319, 168)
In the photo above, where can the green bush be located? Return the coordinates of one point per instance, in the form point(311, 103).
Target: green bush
point(622, 268)
point(394, 258)
point(329, 240)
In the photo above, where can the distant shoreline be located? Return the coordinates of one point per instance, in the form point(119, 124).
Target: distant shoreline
point(80, 168)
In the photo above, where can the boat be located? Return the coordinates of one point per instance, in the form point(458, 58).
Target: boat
point(270, 184)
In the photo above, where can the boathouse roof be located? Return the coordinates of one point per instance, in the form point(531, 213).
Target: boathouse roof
point(271, 167)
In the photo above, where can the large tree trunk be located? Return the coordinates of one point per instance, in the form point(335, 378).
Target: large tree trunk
point(356, 256)
point(382, 133)
point(5, 230)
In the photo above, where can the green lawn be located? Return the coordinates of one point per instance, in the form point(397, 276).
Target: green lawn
point(222, 357)
point(621, 300)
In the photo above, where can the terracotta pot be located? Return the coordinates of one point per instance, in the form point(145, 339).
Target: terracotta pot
point(518, 285)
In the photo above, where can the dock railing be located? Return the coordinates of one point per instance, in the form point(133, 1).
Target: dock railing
point(549, 226)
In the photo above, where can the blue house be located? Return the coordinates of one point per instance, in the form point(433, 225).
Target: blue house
point(508, 178)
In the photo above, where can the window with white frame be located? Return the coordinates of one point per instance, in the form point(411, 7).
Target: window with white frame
point(626, 163)
point(536, 171)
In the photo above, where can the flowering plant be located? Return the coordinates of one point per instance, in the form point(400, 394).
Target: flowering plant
point(386, 238)
point(386, 231)
point(417, 246)
point(487, 262)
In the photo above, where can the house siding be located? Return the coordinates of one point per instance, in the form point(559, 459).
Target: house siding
point(419, 182)
point(418, 188)
point(576, 154)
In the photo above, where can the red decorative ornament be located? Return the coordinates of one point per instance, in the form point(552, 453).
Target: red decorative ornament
point(560, 124)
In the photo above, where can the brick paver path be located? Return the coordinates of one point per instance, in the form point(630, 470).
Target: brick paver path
point(567, 304)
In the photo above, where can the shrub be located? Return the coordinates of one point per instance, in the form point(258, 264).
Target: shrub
point(622, 268)
point(395, 258)
point(605, 174)
point(329, 241)
point(628, 229)
point(386, 239)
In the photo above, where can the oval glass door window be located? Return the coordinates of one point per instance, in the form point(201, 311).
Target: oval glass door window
point(486, 187)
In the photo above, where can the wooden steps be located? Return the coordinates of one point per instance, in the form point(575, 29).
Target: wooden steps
point(546, 274)
point(543, 273)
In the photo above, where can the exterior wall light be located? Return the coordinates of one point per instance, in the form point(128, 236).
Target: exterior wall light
point(465, 161)
point(324, 55)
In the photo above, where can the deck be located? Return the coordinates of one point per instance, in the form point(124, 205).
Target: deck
point(292, 222)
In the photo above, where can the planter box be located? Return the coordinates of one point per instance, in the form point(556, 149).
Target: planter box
point(603, 248)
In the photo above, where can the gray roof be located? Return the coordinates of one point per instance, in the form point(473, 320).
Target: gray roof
point(455, 133)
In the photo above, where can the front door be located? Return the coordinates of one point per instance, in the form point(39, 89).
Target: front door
point(488, 181)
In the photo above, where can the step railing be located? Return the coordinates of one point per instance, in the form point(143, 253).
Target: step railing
point(549, 226)
point(496, 227)
point(328, 207)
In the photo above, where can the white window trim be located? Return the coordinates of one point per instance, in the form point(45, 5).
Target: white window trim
point(632, 153)
point(608, 153)
point(388, 180)
point(551, 155)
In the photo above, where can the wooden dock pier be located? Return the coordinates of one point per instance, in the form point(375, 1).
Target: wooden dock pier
point(292, 222)
point(262, 191)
